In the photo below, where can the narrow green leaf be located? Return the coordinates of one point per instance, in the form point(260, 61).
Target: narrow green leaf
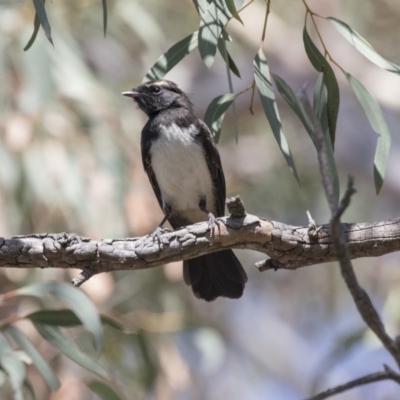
point(104, 391)
point(36, 26)
point(295, 104)
point(12, 365)
point(230, 83)
point(67, 318)
point(215, 113)
point(363, 46)
point(227, 57)
point(320, 104)
point(29, 388)
point(320, 109)
point(213, 20)
point(264, 86)
point(172, 57)
point(230, 4)
point(105, 16)
point(41, 13)
point(378, 124)
point(319, 62)
point(55, 337)
point(28, 347)
point(79, 303)
point(201, 6)
point(210, 29)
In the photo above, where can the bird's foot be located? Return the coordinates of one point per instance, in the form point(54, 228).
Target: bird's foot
point(158, 232)
point(212, 221)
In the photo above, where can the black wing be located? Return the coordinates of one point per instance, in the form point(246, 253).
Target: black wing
point(146, 159)
point(205, 138)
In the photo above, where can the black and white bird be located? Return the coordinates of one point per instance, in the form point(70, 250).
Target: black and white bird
point(184, 169)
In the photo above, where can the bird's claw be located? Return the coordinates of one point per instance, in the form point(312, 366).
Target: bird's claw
point(212, 221)
point(158, 232)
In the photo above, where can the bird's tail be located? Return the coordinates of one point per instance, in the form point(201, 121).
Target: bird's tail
point(214, 275)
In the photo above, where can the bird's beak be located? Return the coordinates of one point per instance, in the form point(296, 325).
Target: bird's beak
point(131, 93)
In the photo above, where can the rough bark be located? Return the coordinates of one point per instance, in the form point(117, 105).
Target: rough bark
point(287, 246)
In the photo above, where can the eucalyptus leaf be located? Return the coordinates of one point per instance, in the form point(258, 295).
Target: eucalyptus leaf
point(378, 123)
point(79, 303)
point(320, 104)
point(215, 113)
point(104, 391)
point(201, 6)
point(295, 104)
point(211, 25)
point(66, 318)
point(36, 26)
point(227, 57)
point(41, 13)
point(230, 4)
point(55, 337)
point(264, 86)
point(320, 110)
point(319, 62)
point(12, 365)
point(105, 16)
point(213, 22)
point(29, 388)
point(26, 345)
point(172, 57)
point(363, 46)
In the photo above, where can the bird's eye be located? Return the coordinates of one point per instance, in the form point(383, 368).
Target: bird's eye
point(156, 89)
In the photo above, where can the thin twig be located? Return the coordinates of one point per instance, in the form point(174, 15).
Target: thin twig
point(83, 276)
point(267, 11)
point(364, 380)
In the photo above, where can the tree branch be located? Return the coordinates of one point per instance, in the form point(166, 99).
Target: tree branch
point(289, 247)
point(360, 296)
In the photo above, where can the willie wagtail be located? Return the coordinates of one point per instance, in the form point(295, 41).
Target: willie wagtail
point(184, 169)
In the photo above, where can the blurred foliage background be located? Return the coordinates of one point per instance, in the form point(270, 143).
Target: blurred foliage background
point(70, 161)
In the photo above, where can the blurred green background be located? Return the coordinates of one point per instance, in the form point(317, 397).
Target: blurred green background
point(70, 161)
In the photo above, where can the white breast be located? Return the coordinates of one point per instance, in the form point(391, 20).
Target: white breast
point(181, 171)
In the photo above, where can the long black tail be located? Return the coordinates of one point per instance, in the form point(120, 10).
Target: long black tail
point(214, 275)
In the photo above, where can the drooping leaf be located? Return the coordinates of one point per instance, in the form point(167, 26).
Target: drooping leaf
point(12, 365)
point(213, 20)
point(201, 6)
point(215, 113)
point(104, 391)
point(210, 29)
point(66, 318)
point(293, 101)
point(363, 46)
point(29, 388)
point(55, 337)
point(36, 26)
point(319, 62)
point(105, 16)
point(378, 124)
point(172, 57)
point(77, 301)
point(264, 86)
point(41, 13)
point(224, 51)
point(320, 104)
point(320, 110)
point(227, 57)
point(230, 4)
point(26, 345)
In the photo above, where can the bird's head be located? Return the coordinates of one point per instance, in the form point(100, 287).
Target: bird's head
point(155, 96)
